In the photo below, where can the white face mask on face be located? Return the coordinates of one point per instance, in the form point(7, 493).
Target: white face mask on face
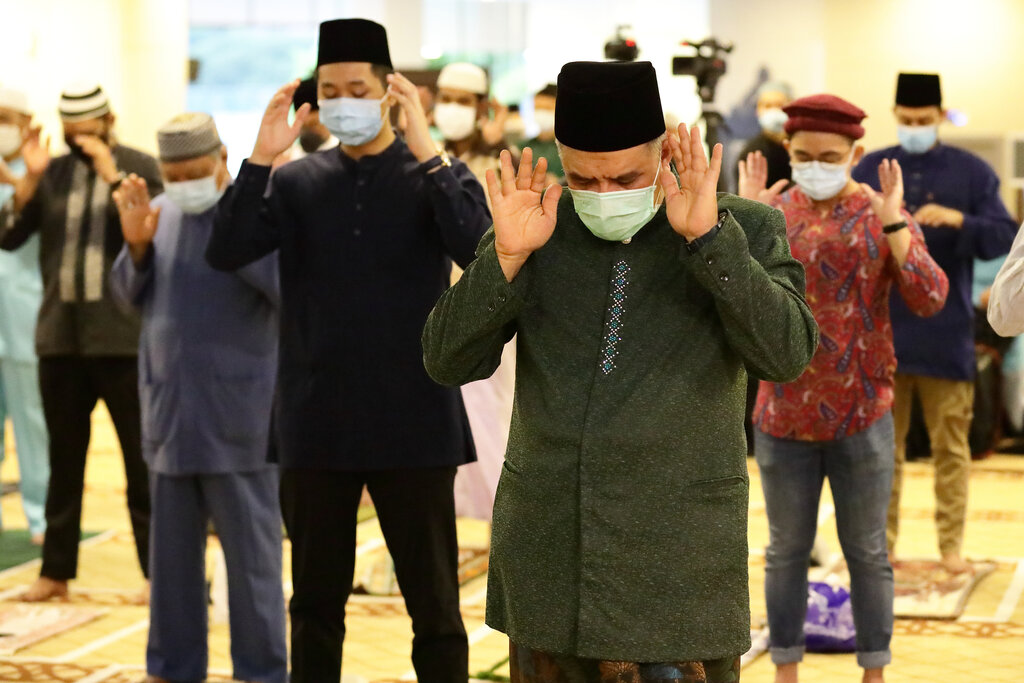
point(545, 118)
point(821, 181)
point(195, 196)
point(616, 216)
point(455, 121)
point(10, 139)
point(354, 121)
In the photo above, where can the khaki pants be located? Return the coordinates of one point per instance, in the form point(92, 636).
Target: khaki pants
point(948, 407)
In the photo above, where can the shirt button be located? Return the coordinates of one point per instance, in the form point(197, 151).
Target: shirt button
point(357, 232)
point(709, 260)
point(490, 308)
point(359, 207)
point(724, 277)
point(501, 298)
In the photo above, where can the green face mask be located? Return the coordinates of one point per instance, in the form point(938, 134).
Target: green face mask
point(616, 216)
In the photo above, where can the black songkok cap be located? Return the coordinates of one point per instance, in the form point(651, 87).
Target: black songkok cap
point(607, 106)
point(353, 40)
point(306, 94)
point(918, 90)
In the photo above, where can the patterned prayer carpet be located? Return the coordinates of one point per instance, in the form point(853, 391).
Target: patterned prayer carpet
point(925, 590)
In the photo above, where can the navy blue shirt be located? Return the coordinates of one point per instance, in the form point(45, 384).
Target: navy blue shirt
point(943, 345)
point(365, 252)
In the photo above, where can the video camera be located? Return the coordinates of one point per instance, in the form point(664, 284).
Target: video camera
point(622, 46)
point(707, 65)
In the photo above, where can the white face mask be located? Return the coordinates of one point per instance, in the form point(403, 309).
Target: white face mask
point(821, 181)
point(455, 121)
point(772, 120)
point(354, 121)
point(194, 196)
point(10, 139)
point(545, 118)
point(616, 216)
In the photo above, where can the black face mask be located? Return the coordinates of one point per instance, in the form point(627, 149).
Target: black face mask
point(310, 140)
point(77, 150)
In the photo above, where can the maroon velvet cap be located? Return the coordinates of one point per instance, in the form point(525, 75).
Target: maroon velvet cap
point(825, 114)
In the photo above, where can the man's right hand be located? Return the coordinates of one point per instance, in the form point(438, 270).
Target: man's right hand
point(36, 155)
point(138, 219)
point(524, 214)
point(276, 134)
point(754, 178)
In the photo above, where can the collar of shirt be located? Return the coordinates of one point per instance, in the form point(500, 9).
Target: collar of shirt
point(389, 155)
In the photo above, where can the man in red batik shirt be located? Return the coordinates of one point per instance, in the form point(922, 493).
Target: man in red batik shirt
point(835, 421)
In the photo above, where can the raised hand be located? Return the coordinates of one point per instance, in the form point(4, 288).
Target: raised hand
point(889, 202)
point(524, 214)
point(692, 202)
point(138, 219)
point(754, 178)
point(102, 157)
point(276, 134)
point(35, 152)
point(493, 130)
point(416, 129)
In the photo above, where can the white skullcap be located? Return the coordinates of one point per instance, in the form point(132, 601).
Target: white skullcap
point(463, 76)
point(15, 100)
point(81, 102)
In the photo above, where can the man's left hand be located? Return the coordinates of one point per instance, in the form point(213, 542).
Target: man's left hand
point(939, 216)
point(692, 202)
point(417, 130)
point(102, 158)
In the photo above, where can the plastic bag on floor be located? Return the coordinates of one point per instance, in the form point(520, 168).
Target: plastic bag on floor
point(828, 626)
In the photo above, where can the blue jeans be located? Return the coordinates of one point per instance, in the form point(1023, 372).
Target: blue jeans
point(859, 469)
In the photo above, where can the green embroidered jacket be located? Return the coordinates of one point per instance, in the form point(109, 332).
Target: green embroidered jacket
point(620, 522)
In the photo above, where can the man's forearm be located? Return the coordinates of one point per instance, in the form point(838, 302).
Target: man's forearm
point(25, 190)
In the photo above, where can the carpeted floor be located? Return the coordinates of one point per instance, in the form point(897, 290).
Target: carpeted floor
point(986, 643)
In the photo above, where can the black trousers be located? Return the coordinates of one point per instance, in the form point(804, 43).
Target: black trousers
point(416, 510)
point(70, 388)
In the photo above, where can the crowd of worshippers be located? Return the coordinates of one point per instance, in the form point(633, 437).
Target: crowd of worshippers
point(271, 345)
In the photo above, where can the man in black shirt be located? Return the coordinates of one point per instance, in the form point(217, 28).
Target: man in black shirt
point(366, 235)
point(87, 345)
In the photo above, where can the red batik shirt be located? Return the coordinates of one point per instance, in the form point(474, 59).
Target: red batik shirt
point(850, 269)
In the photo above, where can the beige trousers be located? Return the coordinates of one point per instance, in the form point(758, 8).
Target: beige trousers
point(948, 406)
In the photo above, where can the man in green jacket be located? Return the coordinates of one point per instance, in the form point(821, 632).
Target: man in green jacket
point(641, 300)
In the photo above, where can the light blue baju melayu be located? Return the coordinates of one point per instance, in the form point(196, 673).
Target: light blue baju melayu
point(207, 367)
point(21, 292)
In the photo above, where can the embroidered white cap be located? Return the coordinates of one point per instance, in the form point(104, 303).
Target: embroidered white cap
point(83, 101)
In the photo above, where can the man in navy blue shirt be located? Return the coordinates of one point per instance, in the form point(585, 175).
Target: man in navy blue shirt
point(954, 196)
point(367, 233)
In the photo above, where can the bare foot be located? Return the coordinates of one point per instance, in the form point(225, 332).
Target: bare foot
point(786, 673)
point(873, 676)
point(954, 564)
point(37, 539)
point(143, 599)
point(46, 589)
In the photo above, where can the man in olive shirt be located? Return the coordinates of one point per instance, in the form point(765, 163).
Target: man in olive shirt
point(640, 301)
